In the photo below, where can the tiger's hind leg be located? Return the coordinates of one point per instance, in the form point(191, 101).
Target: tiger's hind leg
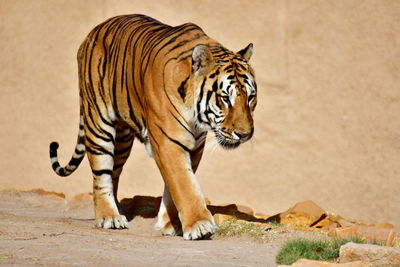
point(123, 145)
point(100, 144)
point(167, 219)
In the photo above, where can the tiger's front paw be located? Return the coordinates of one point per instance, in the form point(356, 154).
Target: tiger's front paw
point(170, 229)
point(200, 230)
point(112, 222)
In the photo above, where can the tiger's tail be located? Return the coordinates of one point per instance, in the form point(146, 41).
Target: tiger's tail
point(77, 157)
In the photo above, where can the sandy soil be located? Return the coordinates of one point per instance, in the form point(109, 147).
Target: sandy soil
point(37, 230)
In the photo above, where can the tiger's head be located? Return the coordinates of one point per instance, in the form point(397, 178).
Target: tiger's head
point(227, 93)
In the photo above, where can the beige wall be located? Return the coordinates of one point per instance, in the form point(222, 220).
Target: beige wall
point(327, 123)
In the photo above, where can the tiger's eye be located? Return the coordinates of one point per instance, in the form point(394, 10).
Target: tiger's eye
point(225, 98)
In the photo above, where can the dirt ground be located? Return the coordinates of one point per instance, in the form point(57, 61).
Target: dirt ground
point(37, 230)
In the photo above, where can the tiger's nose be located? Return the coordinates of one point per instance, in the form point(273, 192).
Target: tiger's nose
point(243, 135)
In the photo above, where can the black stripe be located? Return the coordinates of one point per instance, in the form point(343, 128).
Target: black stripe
point(244, 76)
point(79, 152)
point(97, 147)
point(168, 97)
point(209, 93)
point(91, 151)
point(122, 151)
point(101, 172)
point(182, 89)
point(199, 101)
point(124, 138)
point(75, 161)
point(174, 141)
point(53, 153)
point(98, 129)
point(184, 126)
point(215, 86)
point(118, 166)
point(212, 76)
point(62, 172)
point(55, 165)
point(188, 29)
point(228, 68)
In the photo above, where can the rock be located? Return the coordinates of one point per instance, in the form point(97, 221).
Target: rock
point(297, 219)
point(376, 255)
point(347, 231)
point(245, 209)
point(368, 233)
point(373, 233)
point(308, 207)
point(394, 238)
point(385, 225)
point(305, 213)
point(313, 263)
point(262, 216)
point(343, 222)
point(326, 224)
point(221, 218)
point(240, 212)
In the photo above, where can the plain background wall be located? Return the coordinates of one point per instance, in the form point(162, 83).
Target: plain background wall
point(327, 122)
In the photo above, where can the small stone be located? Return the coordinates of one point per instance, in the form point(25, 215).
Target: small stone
point(347, 231)
point(373, 233)
point(394, 238)
point(245, 209)
point(385, 225)
point(308, 207)
point(326, 224)
point(297, 219)
point(304, 214)
point(344, 222)
point(261, 216)
point(376, 255)
point(221, 218)
point(240, 212)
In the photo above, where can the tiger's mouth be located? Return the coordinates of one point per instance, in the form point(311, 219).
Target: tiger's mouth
point(230, 141)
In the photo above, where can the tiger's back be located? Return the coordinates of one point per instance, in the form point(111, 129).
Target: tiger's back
point(166, 86)
point(128, 53)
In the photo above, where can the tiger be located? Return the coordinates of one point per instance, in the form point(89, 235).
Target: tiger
point(166, 86)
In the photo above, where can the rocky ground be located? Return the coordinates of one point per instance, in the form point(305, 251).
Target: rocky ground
point(42, 228)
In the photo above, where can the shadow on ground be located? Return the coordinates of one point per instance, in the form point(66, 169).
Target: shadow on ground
point(147, 207)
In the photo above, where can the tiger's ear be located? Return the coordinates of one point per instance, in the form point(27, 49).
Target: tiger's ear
point(201, 59)
point(247, 52)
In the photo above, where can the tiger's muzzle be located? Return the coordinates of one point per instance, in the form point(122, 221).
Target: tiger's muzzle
point(234, 139)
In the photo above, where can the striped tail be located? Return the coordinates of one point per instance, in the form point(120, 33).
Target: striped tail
point(77, 157)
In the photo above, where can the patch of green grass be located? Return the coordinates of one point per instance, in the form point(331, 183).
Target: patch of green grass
point(323, 250)
point(236, 228)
